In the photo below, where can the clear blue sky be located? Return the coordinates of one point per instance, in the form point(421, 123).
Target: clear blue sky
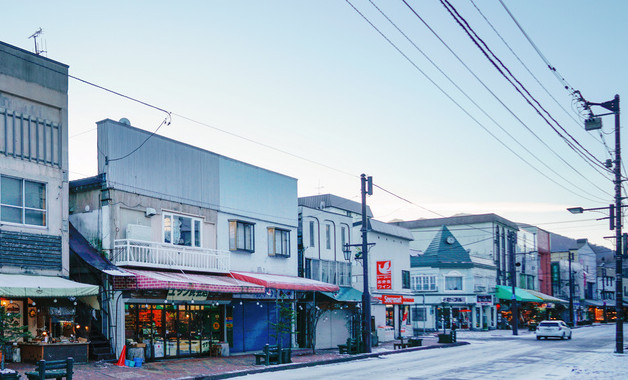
point(316, 80)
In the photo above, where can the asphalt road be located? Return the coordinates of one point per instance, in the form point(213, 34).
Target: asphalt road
point(589, 355)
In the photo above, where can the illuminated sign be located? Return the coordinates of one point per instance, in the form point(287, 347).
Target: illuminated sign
point(384, 275)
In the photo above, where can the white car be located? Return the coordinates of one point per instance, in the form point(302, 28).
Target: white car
point(553, 329)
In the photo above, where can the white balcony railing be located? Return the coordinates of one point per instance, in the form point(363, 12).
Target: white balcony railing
point(127, 252)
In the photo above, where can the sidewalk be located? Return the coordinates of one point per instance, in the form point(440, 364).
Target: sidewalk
point(222, 367)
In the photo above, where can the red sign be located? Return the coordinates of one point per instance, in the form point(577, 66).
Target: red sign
point(393, 299)
point(384, 275)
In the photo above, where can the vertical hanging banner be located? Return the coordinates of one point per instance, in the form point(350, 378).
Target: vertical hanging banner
point(384, 274)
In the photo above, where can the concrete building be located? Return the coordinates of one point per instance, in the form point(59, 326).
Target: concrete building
point(210, 242)
point(34, 235)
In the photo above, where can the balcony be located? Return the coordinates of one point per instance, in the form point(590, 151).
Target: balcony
point(127, 252)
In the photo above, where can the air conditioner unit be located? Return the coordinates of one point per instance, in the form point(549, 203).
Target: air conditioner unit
point(479, 288)
point(138, 232)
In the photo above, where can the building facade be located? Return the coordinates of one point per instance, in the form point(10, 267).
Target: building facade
point(210, 242)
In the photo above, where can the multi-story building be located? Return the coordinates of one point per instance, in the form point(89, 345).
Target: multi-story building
point(34, 253)
point(455, 290)
point(210, 242)
point(325, 231)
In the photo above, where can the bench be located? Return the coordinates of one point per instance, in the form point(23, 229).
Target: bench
point(52, 369)
point(270, 355)
point(351, 347)
point(401, 344)
point(415, 342)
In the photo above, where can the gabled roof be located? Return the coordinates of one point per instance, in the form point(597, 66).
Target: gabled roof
point(443, 251)
point(387, 229)
point(329, 200)
point(457, 220)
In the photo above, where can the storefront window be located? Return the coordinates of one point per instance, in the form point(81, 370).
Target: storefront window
point(390, 316)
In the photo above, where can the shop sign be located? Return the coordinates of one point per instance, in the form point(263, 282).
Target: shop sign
point(484, 299)
point(390, 299)
point(454, 299)
point(186, 295)
point(61, 311)
point(384, 274)
point(270, 294)
point(229, 322)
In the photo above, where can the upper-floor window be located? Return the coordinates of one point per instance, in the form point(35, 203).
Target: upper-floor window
point(405, 279)
point(453, 283)
point(22, 201)
point(312, 236)
point(182, 230)
point(327, 236)
point(424, 282)
point(278, 242)
point(343, 237)
point(241, 236)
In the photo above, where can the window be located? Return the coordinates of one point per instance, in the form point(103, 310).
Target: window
point(424, 283)
point(22, 201)
point(343, 237)
point(327, 236)
point(405, 279)
point(333, 272)
point(181, 230)
point(278, 242)
point(419, 314)
point(312, 240)
point(241, 236)
point(453, 283)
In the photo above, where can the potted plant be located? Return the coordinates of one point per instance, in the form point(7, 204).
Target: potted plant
point(11, 331)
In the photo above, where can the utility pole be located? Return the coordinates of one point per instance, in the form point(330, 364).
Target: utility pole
point(571, 318)
point(499, 264)
point(366, 188)
point(513, 275)
point(595, 122)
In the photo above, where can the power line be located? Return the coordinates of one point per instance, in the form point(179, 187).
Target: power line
point(560, 78)
point(578, 122)
point(459, 105)
point(483, 47)
point(437, 67)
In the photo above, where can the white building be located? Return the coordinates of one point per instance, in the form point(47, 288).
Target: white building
point(455, 289)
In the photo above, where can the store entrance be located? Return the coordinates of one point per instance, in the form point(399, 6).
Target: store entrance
point(175, 330)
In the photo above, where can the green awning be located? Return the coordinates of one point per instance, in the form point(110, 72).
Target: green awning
point(546, 297)
point(505, 293)
point(20, 286)
point(345, 294)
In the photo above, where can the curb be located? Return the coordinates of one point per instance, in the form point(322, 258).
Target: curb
point(283, 367)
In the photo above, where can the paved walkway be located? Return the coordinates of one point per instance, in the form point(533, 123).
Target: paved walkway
point(221, 367)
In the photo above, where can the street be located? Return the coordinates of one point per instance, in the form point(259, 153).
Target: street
point(491, 355)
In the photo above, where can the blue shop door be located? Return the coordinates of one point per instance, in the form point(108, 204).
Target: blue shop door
point(250, 326)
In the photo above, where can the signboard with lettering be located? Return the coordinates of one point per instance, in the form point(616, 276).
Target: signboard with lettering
point(454, 299)
point(186, 295)
point(384, 274)
point(484, 299)
point(394, 299)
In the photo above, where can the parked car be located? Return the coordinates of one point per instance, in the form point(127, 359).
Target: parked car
point(553, 329)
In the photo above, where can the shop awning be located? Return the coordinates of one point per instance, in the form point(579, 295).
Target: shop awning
point(505, 293)
point(20, 285)
point(80, 247)
point(546, 297)
point(345, 294)
point(277, 281)
point(146, 279)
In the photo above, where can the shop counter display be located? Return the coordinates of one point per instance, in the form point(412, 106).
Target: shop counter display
point(35, 351)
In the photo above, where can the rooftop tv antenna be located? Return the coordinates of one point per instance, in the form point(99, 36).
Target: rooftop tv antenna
point(38, 50)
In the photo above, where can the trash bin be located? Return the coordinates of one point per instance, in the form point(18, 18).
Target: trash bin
point(138, 362)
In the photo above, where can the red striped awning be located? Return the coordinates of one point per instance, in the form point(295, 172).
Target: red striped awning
point(277, 281)
point(145, 279)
